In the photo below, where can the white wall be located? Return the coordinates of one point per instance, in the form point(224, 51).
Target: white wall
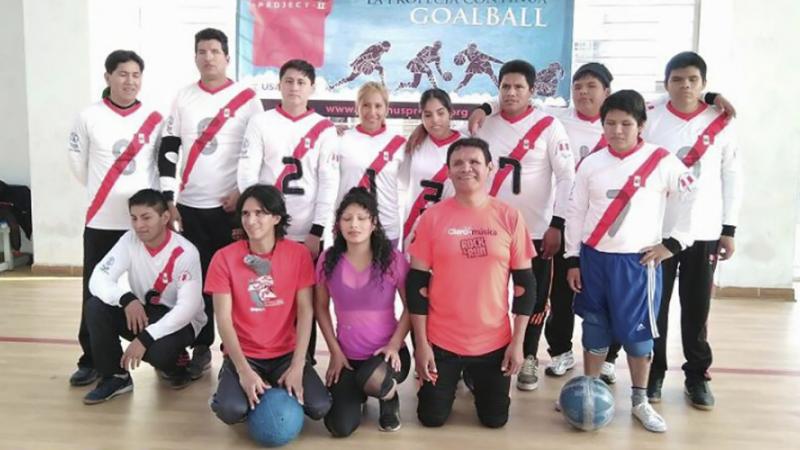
point(751, 52)
point(14, 162)
point(57, 76)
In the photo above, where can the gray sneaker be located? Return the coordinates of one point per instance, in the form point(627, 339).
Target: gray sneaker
point(560, 364)
point(528, 378)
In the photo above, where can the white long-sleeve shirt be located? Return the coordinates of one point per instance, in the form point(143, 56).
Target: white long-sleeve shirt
point(638, 224)
point(548, 157)
point(717, 172)
point(416, 179)
point(358, 150)
point(311, 183)
point(173, 270)
point(210, 175)
point(101, 134)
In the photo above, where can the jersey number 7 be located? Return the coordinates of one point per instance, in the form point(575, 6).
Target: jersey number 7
point(516, 178)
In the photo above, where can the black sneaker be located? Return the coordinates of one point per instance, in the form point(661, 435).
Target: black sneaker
point(699, 394)
point(108, 388)
point(180, 379)
point(83, 376)
point(389, 419)
point(201, 361)
point(654, 389)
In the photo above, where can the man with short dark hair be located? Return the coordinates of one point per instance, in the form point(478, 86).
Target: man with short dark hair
point(465, 248)
point(204, 131)
point(704, 139)
point(161, 314)
point(532, 148)
point(112, 154)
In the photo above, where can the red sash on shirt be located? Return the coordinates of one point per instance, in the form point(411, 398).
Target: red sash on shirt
point(422, 200)
point(624, 196)
point(213, 127)
point(526, 143)
point(306, 143)
point(138, 140)
point(380, 161)
point(705, 139)
point(165, 276)
point(602, 143)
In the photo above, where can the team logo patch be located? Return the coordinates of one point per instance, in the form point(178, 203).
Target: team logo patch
point(185, 276)
point(142, 138)
point(637, 181)
point(707, 140)
point(106, 267)
point(686, 182)
point(526, 143)
point(386, 156)
point(307, 142)
point(74, 142)
point(226, 113)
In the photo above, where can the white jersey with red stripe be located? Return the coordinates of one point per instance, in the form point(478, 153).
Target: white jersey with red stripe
point(637, 225)
point(213, 175)
point(170, 273)
point(717, 173)
point(585, 133)
point(311, 183)
point(417, 172)
point(358, 149)
point(101, 133)
point(547, 158)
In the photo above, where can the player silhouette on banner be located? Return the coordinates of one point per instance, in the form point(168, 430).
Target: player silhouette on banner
point(421, 64)
point(546, 84)
point(479, 63)
point(368, 61)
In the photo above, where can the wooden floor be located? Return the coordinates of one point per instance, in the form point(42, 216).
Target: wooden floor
point(756, 383)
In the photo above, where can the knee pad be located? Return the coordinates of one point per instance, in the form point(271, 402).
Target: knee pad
point(595, 335)
point(374, 377)
point(639, 349)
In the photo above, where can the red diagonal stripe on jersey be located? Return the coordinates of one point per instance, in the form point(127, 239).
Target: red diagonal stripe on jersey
point(625, 195)
point(383, 158)
point(602, 143)
point(306, 143)
point(216, 124)
point(165, 276)
point(138, 140)
point(519, 151)
point(705, 139)
point(419, 204)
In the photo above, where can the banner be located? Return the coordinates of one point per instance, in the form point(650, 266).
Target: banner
point(409, 45)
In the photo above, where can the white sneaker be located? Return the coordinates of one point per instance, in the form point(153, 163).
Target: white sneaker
point(608, 373)
point(528, 378)
point(649, 418)
point(560, 364)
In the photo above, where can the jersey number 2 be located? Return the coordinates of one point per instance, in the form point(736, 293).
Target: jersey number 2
point(296, 175)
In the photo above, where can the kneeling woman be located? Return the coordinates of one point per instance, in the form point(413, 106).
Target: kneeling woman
point(361, 272)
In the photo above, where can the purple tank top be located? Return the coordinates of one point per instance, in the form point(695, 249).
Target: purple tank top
point(363, 304)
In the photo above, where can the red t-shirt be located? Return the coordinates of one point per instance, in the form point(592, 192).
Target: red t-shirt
point(264, 310)
point(284, 30)
point(471, 252)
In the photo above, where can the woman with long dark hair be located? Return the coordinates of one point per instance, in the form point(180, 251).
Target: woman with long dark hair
point(361, 273)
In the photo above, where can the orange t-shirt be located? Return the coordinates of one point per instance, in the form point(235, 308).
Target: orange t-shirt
point(471, 252)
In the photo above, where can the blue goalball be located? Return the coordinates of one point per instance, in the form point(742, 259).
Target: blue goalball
point(587, 403)
point(277, 419)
